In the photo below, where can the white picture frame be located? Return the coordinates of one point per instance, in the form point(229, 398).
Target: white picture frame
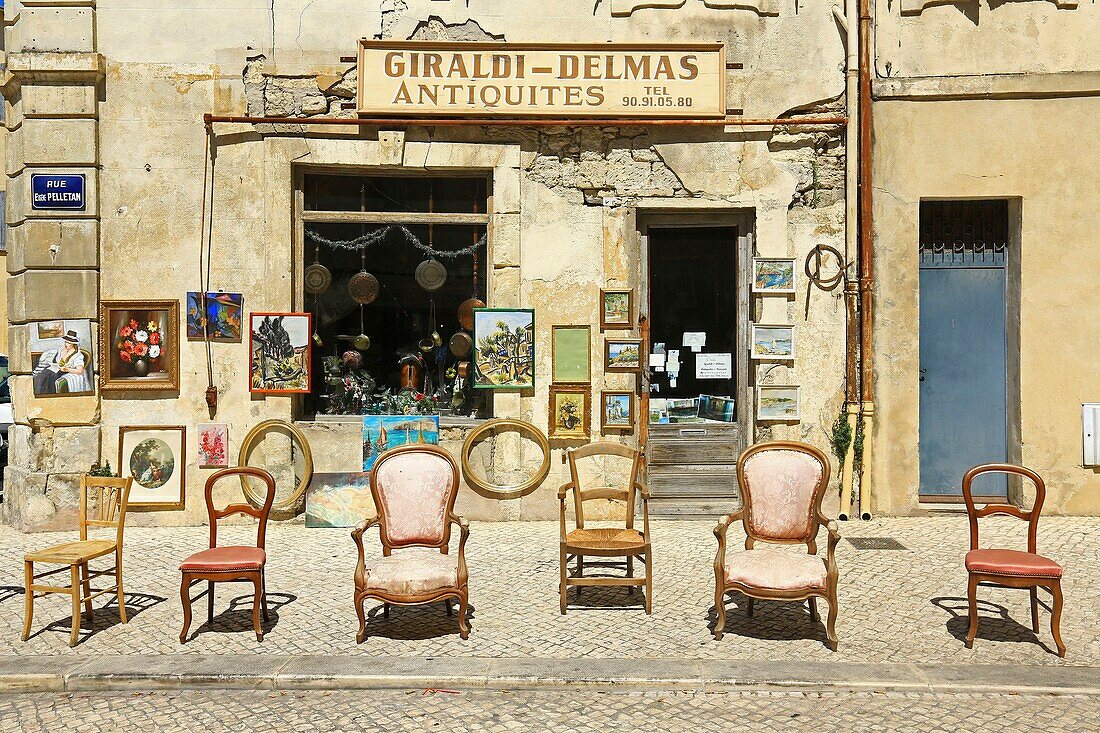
point(773, 275)
point(778, 403)
point(772, 342)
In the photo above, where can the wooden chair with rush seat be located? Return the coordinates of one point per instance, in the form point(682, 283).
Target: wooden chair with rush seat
point(230, 563)
point(1011, 568)
point(624, 542)
point(108, 509)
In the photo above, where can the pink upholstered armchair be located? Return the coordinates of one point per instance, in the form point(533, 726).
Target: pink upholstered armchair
point(782, 484)
point(414, 489)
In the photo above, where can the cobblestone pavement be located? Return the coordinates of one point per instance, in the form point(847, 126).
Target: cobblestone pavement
point(578, 710)
point(895, 606)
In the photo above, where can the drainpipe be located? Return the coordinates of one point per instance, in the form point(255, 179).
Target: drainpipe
point(849, 22)
point(866, 260)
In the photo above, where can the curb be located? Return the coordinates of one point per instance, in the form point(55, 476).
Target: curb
point(278, 672)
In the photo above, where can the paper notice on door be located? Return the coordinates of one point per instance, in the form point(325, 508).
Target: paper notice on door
point(714, 366)
point(657, 361)
point(695, 339)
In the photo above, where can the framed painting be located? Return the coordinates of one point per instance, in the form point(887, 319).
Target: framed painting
point(616, 310)
point(215, 317)
point(622, 355)
point(279, 352)
point(382, 432)
point(63, 358)
point(213, 439)
point(139, 345)
point(778, 403)
point(773, 275)
point(772, 342)
point(617, 412)
point(504, 348)
point(339, 499)
point(570, 411)
point(571, 354)
point(155, 456)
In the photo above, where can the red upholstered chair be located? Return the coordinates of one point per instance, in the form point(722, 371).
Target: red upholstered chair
point(414, 489)
point(1011, 568)
point(782, 484)
point(232, 562)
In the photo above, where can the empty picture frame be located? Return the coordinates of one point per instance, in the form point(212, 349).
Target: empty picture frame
point(778, 403)
point(571, 354)
point(773, 275)
point(772, 342)
point(616, 310)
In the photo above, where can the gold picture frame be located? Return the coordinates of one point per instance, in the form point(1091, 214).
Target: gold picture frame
point(133, 354)
point(567, 364)
point(566, 400)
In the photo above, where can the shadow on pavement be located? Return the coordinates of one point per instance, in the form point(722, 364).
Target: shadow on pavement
point(1000, 627)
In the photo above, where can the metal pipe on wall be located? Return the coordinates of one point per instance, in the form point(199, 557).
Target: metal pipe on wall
point(866, 260)
point(534, 122)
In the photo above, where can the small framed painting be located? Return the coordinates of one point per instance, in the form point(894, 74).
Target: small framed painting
point(279, 352)
point(571, 354)
point(616, 310)
point(570, 411)
point(139, 344)
point(64, 364)
point(772, 342)
point(622, 355)
point(778, 403)
point(773, 275)
point(504, 348)
point(214, 317)
point(617, 412)
point(213, 445)
point(155, 456)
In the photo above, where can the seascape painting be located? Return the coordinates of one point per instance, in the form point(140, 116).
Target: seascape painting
point(772, 342)
point(778, 403)
point(338, 499)
point(219, 318)
point(383, 432)
point(772, 275)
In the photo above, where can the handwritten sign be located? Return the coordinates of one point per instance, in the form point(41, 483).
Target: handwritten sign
point(545, 80)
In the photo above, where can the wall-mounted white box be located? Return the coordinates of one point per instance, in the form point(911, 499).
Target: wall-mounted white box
point(1090, 433)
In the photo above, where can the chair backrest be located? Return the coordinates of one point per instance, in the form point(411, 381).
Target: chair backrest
point(625, 493)
point(103, 502)
point(259, 513)
point(1031, 517)
point(414, 489)
point(782, 483)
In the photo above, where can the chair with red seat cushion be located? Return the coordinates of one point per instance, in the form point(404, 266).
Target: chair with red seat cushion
point(233, 562)
point(1011, 568)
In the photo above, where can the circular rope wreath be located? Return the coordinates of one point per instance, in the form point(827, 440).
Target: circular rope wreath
point(495, 491)
point(249, 444)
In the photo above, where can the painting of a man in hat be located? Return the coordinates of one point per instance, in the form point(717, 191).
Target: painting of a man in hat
point(63, 365)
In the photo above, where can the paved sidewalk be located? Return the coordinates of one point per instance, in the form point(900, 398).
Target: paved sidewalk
point(902, 607)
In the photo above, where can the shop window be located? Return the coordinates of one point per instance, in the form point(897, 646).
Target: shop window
point(405, 351)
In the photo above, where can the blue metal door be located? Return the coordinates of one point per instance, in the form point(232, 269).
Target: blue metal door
point(963, 411)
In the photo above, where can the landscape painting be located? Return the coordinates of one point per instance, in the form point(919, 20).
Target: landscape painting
point(383, 432)
point(617, 415)
point(778, 403)
point(504, 348)
point(616, 309)
point(217, 317)
point(622, 355)
point(338, 499)
point(772, 275)
point(279, 352)
point(772, 342)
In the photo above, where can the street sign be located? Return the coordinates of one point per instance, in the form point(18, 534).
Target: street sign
point(51, 191)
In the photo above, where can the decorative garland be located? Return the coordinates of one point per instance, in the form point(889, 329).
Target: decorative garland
point(372, 238)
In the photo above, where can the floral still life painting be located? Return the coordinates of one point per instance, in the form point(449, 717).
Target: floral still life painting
point(569, 411)
point(338, 499)
point(383, 432)
point(279, 352)
point(213, 445)
point(215, 317)
point(61, 352)
point(139, 345)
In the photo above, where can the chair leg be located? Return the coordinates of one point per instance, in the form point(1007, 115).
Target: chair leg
point(720, 607)
point(972, 602)
point(1056, 617)
point(74, 572)
point(580, 572)
point(748, 605)
point(185, 586)
point(87, 583)
point(28, 598)
point(813, 610)
point(1034, 591)
point(447, 605)
point(210, 601)
point(263, 593)
point(361, 636)
point(118, 588)
point(630, 574)
point(564, 575)
point(257, 594)
point(463, 626)
point(649, 583)
point(830, 624)
point(385, 610)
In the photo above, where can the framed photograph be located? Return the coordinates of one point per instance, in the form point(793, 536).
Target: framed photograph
point(720, 409)
point(155, 456)
point(773, 275)
point(339, 499)
point(778, 403)
point(571, 352)
point(504, 348)
point(213, 439)
point(622, 355)
point(617, 412)
point(772, 342)
point(616, 310)
point(279, 352)
point(139, 345)
point(63, 359)
point(570, 411)
point(382, 432)
point(215, 317)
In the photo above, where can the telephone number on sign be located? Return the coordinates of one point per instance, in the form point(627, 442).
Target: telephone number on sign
point(657, 101)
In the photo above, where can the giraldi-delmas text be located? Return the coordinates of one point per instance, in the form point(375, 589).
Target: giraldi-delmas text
point(493, 79)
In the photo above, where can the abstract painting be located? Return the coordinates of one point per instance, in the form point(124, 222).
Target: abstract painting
point(217, 317)
point(504, 348)
point(279, 352)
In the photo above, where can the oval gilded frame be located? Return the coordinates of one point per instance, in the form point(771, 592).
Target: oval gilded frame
point(249, 443)
point(495, 491)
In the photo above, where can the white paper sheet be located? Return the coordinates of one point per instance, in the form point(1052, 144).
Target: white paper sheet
point(714, 366)
point(695, 339)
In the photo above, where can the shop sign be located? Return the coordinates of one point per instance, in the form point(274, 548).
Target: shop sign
point(51, 191)
point(543, 80)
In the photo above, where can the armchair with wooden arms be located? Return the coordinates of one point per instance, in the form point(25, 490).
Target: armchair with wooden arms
point(782, 484)
point(414, 489)
point(610, 542)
